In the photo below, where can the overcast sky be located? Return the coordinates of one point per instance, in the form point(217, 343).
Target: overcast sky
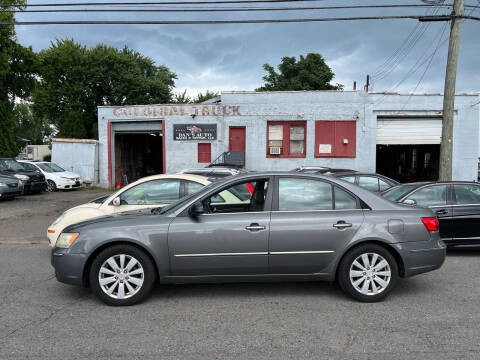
point(230, 57)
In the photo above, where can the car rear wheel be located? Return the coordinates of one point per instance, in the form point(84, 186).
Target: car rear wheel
point(368, 273)
point(51, 186)
point(122, 275)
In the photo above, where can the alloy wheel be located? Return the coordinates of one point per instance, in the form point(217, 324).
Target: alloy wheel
point(121, 276)
point(51, 187)
point(370, 274)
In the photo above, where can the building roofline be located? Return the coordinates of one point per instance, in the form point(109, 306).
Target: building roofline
point(88, 141)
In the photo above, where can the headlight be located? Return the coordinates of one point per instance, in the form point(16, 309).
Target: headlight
point(22, 177)
point(3, 185)
point(57, 220)
point(66, 239)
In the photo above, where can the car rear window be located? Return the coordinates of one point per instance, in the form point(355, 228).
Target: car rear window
point(398, 192)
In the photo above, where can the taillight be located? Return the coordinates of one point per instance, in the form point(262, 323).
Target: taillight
point(431, 223)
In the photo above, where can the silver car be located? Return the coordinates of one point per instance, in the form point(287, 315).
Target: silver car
point(290, 226)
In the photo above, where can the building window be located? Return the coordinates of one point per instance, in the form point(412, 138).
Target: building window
point(204, 152)
point(286, 138)
point(335, 138)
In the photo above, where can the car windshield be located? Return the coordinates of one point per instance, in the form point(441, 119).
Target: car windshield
point(45, 167)
point(398, 192)
point(12, 165)
point(55, 167)
point(178, 204)
point(29, 167)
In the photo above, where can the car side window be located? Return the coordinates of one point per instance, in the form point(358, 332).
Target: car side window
point(350, 179)
point(467, 194)
point(368, 182)
point(192, 187)
point(430, 196)
point(343, 200)
point(252, 199)
point(383, 185)
point(153, 192)
point(304, 194)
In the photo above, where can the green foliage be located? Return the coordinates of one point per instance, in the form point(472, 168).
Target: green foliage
point(47, 157)
point(75, 80)
point(36, 129)
point(181, 98)
point(308, 73)
point(17, 78)
point(204, 97)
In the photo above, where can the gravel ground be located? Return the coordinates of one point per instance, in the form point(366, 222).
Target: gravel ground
point(432, 316)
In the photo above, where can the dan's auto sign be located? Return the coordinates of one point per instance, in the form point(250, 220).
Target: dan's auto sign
point(194, 132)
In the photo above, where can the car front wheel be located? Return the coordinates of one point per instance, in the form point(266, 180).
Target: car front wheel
point(368, 273)
point(51, 187)
point(122, 275)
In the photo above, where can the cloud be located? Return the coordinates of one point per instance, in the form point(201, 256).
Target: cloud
point(230, 57)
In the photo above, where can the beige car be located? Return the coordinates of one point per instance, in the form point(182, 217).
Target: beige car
point(148, 192)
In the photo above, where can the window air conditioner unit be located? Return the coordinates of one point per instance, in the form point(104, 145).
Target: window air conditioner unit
point(275, 150)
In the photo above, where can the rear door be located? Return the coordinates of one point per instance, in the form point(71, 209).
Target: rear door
point(311, 222)
point(438, 198)
point(466, 214)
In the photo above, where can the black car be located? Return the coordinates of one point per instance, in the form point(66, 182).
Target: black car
point(456, 204)
point(369, 181)
point(33, 180)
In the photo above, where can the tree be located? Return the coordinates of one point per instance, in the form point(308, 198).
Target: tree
point(204, 97)
point(17, 78)
point(181, 98)
point(74, 80)
point(308, 73)
point(37, 130)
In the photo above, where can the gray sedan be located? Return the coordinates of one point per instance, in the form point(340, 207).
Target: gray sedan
point(291, 227)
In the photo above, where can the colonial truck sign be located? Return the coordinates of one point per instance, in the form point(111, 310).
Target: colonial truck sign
point(176, 110)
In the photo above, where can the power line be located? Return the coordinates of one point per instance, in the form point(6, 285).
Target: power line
point(211, 22)
point(234, 9)
point(155, 3)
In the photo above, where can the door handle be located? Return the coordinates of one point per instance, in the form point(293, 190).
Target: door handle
point(441, 212)
point(255, 227)
point(342, 225)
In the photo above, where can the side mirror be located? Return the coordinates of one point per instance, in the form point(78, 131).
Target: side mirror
point(410, 202)
point(116, 201)
point(197, 209)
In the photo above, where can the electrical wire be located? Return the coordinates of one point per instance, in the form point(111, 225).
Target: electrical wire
point(239, 21)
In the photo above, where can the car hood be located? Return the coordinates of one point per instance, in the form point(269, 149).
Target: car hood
point(113, 219)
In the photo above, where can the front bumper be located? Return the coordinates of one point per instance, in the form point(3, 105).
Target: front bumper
point(32, 186)
point(67, 184)
point(68, 267)
point(422, 257)
point(6, 192)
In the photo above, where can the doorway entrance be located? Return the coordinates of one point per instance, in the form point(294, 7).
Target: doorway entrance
point(237, 140)
point(409, 163)
point(137, 155)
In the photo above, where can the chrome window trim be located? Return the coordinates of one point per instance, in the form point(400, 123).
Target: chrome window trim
point(303, 211)
point(302, 252)
point(222, 254)
point(467, 238)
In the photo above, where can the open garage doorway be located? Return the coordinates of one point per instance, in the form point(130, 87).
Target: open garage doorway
point(408, 163)
point(137, 155)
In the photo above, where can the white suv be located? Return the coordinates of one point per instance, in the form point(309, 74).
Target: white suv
point(57, 178)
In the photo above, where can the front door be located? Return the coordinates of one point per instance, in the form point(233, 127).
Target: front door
point(311, 223)
point(229, 238)
point(237, 140)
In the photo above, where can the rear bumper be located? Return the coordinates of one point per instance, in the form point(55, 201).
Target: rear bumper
point(68, 267)
point(422, 257)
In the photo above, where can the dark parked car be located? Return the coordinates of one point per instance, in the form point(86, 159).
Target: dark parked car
point(372, 182)
point(32, 179)
point(456, 204)
point(292, 227)
point(320, 170)
point(10, 187)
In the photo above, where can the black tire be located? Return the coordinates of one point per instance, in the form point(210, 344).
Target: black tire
point(149, 274)
point(346, 264)
point(51, 186)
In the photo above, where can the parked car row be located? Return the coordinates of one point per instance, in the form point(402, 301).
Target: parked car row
point(29, 177)
point(256, 226)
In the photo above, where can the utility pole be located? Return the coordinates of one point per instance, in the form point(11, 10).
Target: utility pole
point(446, 146)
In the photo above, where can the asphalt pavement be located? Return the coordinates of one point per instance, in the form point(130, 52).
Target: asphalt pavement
point(431, 316)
